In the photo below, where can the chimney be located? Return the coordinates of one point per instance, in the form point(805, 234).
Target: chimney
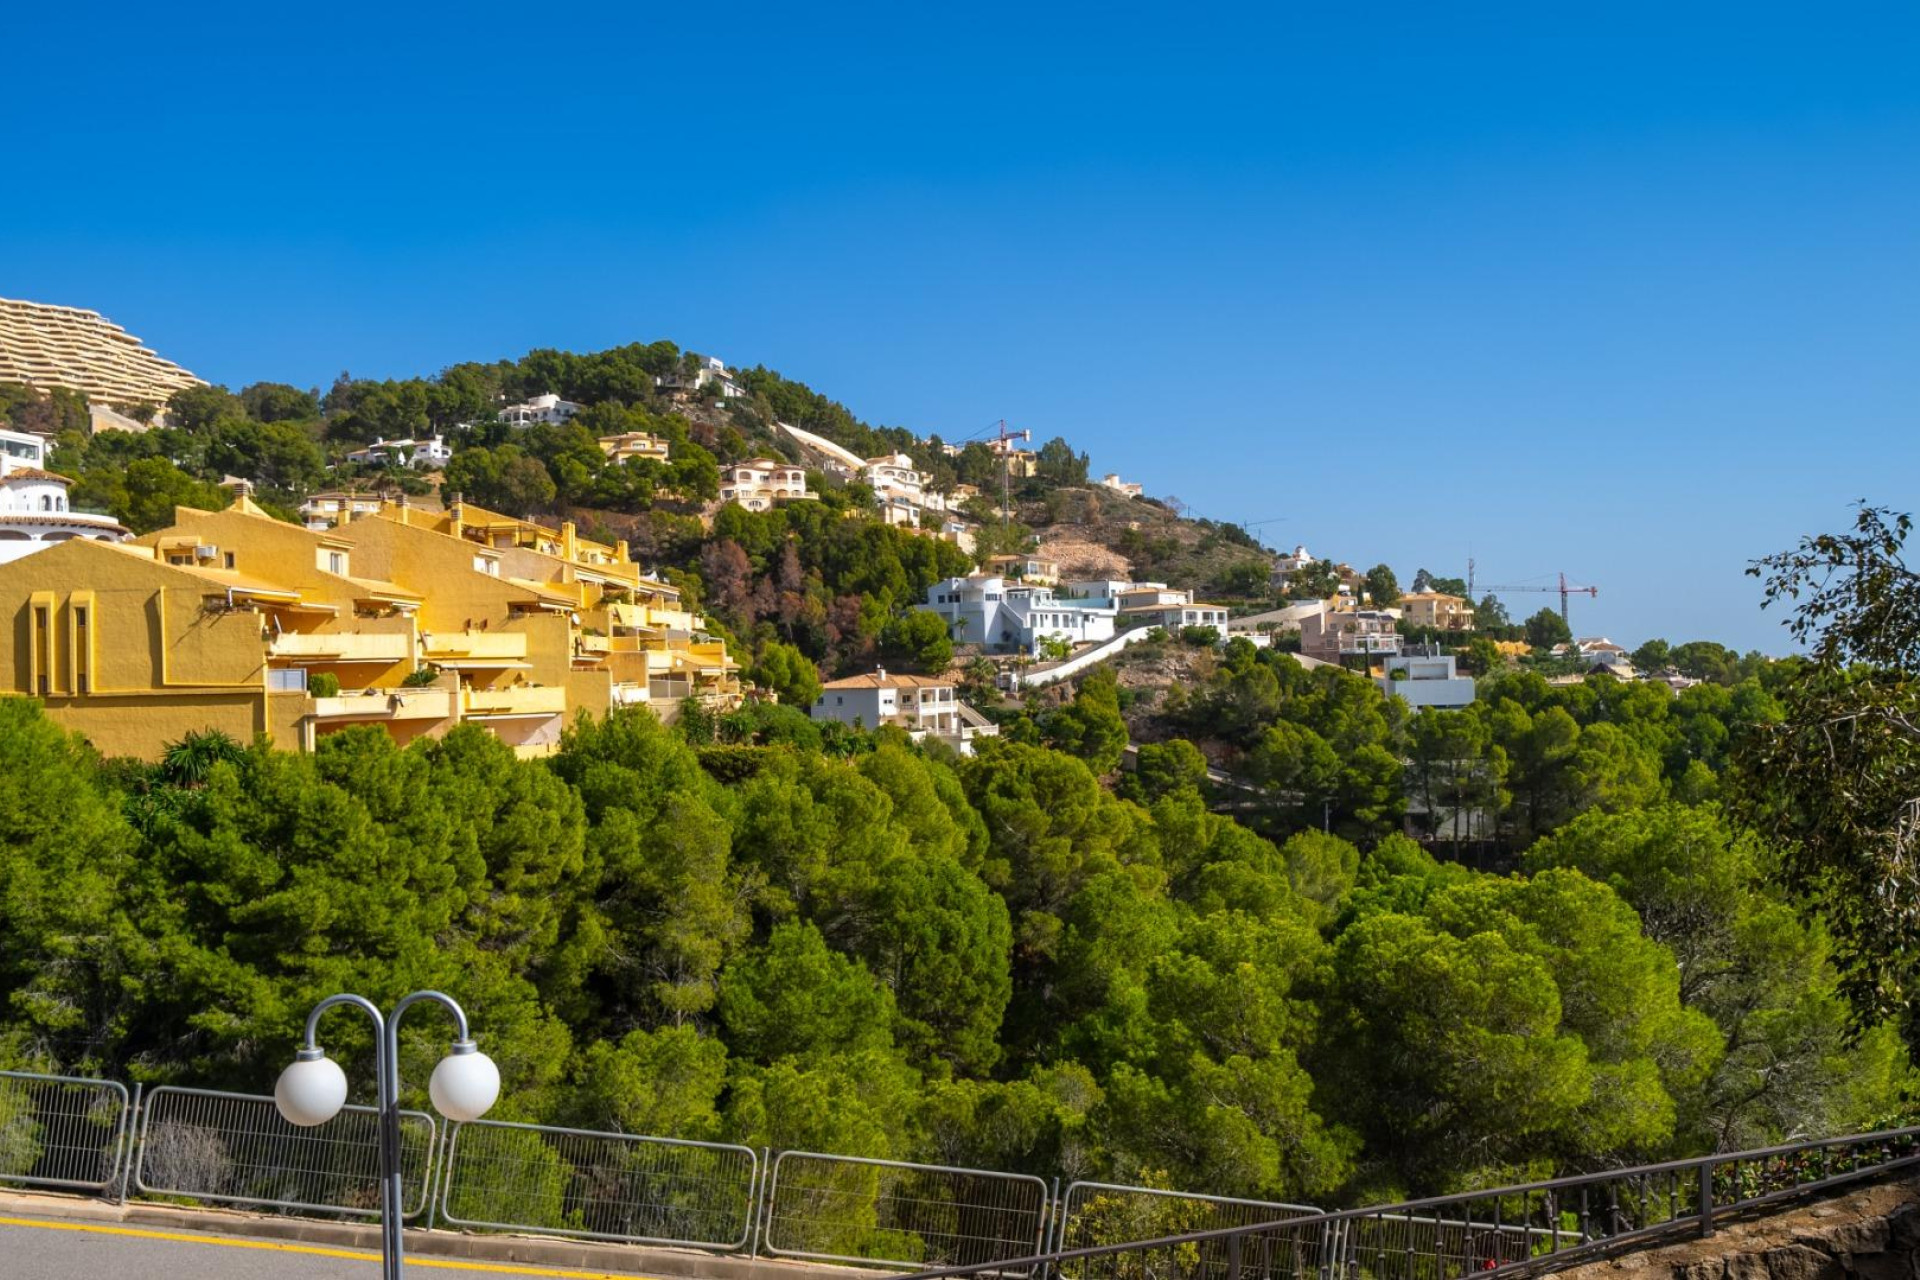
point(569, 540)
point(879, 673)
point(456, 516)
point(620, 552)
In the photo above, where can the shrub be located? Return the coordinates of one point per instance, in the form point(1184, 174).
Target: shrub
point(323, 684)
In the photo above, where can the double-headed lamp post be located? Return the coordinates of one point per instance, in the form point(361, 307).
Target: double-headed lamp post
point(313, 1088)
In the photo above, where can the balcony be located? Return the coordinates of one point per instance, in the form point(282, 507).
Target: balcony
point(514, 700)
point(452, 648)
point(341, 646)
point(386, 704)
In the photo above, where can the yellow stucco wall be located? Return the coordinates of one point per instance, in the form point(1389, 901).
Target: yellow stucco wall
point(163, 655)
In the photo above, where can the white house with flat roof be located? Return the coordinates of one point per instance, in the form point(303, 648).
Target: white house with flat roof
point(548, 409)
point(1004, 616)
point(430, 453)
point(1427, 681)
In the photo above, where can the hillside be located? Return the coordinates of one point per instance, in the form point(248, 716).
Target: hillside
point(1093, 532)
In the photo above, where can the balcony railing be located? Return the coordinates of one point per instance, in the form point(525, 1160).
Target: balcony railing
point(454, 645)
point(387, 704)
point(514, 700)
point(341, 646)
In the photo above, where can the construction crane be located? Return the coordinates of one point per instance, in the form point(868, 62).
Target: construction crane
point(1565, 589)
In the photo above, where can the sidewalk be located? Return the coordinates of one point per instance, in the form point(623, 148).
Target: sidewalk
point(541, 1251)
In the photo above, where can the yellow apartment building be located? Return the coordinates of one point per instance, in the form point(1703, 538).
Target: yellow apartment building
point(223, 619)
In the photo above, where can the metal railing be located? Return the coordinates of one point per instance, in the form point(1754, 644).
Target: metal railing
point(83, 1135)
point(61, 1131)
point(1096, 1213)
point(599, 1186)
point(236, 1149)
point(849, 1209)
point(1530, 1228)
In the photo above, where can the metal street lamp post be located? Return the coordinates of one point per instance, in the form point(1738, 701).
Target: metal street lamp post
point(313, 1088)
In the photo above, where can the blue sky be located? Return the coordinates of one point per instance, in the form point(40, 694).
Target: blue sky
point(1625, 291)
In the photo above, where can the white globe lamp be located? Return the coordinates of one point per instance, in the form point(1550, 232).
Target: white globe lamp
point(465, 1084)
point(311, 1090)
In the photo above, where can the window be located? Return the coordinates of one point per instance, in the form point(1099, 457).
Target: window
point(43, 647)
point(229, 559)
point(82, 653)
point(336, 562)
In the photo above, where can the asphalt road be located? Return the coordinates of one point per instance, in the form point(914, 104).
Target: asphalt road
point(34, 1249)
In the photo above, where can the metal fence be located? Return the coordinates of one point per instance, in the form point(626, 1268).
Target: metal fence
point(1502, 1232)
point(61, 1131)
point(848, 1209)
point(235, 1148)
point(1404, 1246)
point(1093, 1214)
point(81, 1134)
point(601, 1186)
point(1097, 1213)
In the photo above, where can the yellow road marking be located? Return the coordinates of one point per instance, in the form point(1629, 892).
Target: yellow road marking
point(281, 1246)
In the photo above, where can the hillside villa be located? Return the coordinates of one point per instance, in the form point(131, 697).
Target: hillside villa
point(1333, 634)
point(1426, 680)
point(548, 409)
point(925, 706)
point(1436, 610)
point(34, 511)
point(634, 444)
point(760, 484)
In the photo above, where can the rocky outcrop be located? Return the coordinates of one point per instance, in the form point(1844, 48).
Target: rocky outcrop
point(1868, 1234)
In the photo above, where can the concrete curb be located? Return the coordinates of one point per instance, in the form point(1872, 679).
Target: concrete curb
point(534, 1251)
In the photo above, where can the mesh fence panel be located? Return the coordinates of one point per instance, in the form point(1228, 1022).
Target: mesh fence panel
point(236, 1148)
point(1393, 1246)
point(1097, 1213)
point(59, 1131)
point(908, 1215)
point(600, 1185)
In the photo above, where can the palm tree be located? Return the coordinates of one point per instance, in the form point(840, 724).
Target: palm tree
point(190, 761)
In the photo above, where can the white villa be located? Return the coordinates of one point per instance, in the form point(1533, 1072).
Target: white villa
point(760, 484)
point(549, 409)
point(900, 490)
point(1291, 563)
point(1426, 681)
point(1125, 489)
point(1014, 617)
point(430, 453)
point(710, 370)
point(34, 511)
point(322, 511)
point(925, 706)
